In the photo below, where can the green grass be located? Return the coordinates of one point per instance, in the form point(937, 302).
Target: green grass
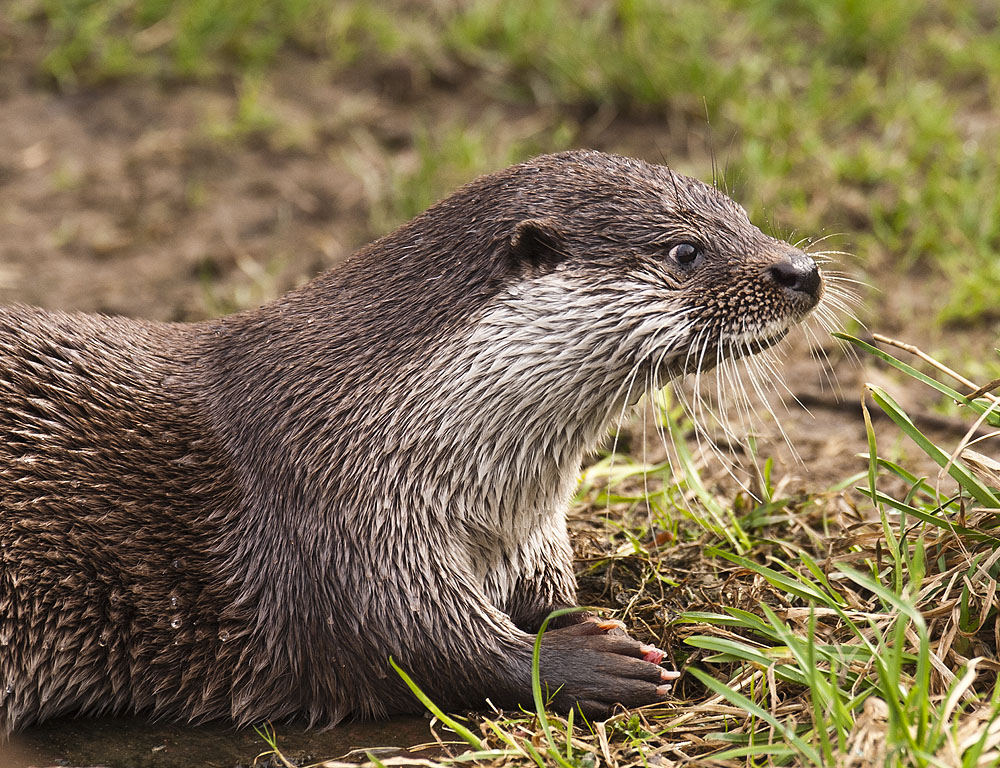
point(99, 40)
point(443, 157)
point(854, 639)
point(884, 646)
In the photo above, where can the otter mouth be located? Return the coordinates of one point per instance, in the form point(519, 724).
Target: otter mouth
point(758, 345)
point(733, 349)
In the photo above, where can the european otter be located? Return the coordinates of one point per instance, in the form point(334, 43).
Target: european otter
point(244, 518)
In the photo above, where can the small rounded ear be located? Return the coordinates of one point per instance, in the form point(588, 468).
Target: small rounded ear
point(537, 244)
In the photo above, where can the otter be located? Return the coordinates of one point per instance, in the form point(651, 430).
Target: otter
point(244, 518)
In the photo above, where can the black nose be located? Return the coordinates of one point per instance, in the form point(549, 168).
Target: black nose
point(797, 272)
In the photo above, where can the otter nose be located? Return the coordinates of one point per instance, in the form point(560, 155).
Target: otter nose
point(797, 272)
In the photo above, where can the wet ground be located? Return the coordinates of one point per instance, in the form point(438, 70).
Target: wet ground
point(135, 743)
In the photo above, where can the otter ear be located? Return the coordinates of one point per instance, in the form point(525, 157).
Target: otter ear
point(537, 245)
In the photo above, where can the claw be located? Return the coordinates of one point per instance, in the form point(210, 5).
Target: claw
point(652, 654)
point(609, 624)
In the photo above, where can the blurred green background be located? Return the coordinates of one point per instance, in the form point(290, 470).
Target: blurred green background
point(876, 122)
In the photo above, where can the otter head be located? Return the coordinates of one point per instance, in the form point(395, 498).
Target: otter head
point(699, 282)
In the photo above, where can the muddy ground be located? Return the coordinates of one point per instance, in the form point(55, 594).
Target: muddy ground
point(130, 199)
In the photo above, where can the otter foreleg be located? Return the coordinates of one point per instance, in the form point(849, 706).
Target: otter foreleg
point(546, 582)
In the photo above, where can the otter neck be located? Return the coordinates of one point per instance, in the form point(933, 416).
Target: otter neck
point(520, 399)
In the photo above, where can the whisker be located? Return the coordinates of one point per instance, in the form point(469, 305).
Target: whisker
point(618, 430)
point(818, 352)
point(819, 240)
point(725, 390)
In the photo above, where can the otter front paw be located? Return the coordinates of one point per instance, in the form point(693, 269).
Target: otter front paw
point(592, 668)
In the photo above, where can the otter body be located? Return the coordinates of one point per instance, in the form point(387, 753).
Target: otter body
point(243, 519)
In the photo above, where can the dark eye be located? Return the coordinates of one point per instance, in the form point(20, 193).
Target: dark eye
point(685, 254)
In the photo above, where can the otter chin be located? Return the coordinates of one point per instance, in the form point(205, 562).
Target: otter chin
point(243, 519)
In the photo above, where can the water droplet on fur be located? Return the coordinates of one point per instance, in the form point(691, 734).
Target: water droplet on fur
point(173, 602)
point(102, 640)
point(9, 689)
point(175, 623)
point(223, 635)
point(177, 564)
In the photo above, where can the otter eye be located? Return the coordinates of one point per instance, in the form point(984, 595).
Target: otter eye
point(685, 254)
